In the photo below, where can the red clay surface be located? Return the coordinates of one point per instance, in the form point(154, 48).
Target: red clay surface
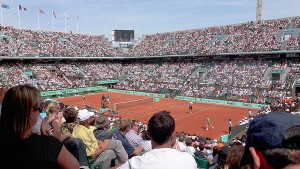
point(189, 123)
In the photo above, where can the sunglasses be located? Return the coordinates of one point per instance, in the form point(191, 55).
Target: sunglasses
point(40, 108)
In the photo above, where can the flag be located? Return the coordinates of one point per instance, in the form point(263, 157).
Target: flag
point(66, 15)
point(53, 13)
point(22, 8)
point(3, 5)
point(41, 11)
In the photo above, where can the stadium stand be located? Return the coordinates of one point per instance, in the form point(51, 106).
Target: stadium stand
point(248, 62)
point(268, 35)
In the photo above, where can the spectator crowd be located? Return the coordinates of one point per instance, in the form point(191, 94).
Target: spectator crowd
point(267, 35)
point(240, 80)
point(82, 137)
point(49, 134)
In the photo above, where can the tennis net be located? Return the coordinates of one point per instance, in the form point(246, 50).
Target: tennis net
point(132, 103)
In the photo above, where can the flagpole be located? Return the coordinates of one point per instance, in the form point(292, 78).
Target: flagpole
point(38, 20)
point(65, 22)
point(19, 18)
point(1, 16)
point(77, 25)
point(52, 22)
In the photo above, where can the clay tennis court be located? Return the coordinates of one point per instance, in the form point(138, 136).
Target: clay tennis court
point(189, 123)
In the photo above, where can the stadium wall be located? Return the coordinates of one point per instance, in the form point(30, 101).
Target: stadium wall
point(71, 92)
point(222, 102)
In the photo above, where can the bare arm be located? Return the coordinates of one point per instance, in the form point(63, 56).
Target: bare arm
point(102, 146)
point(66, 160)
point(97, 152)
point(59, 118)
point(138, 150)
point(45, 128)
point(208, 160)
point(56, 130)
point(65, 136)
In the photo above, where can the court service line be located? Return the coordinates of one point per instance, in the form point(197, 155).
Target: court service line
point(165, 107)
point(191, 114)
point(169, 106)
point(175, 105)
point(137, 106)
point(134, 114)
point(156, 110)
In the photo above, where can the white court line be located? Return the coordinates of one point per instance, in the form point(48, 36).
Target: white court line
point(140, 115)
point(169, 106)
point(187, 106)
point(135, 114)
point(165, 105)
point(156, 110)
point(191, 114)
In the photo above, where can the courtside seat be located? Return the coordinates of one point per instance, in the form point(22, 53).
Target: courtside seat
point(93, 164)
point(100, 165)
point(202, 163)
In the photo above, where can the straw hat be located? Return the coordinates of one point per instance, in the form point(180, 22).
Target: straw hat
point(101, 122)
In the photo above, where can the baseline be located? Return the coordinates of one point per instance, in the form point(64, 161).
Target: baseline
point(189, 115)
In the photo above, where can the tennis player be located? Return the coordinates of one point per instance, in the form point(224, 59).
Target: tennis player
point(190, 107)
point(208, 123)
point(83, 98)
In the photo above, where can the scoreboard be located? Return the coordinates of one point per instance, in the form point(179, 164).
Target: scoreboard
point(123, 35)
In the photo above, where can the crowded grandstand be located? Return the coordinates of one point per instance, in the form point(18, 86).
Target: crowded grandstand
point(253, 62)
point(244, 59)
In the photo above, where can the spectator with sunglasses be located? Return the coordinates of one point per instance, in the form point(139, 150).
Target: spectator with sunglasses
point(75, 146)
point(53, 110)
point(20, 111)
point(37, 127)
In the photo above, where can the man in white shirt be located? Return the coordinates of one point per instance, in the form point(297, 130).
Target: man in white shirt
point(189, 146)
point(181, 143)
point(249, 113)
point(161, 128)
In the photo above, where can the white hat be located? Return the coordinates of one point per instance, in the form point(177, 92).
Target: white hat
point(84, 114)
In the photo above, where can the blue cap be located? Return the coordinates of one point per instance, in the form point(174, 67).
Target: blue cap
point(267, 131)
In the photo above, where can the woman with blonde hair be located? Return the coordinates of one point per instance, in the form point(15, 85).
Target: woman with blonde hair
point(53, 110)
point(21, 107)
point(74, 145)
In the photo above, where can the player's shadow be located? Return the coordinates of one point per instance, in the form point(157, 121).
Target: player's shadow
point(203, 128)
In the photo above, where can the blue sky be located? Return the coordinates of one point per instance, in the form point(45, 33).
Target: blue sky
point(100, 17)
